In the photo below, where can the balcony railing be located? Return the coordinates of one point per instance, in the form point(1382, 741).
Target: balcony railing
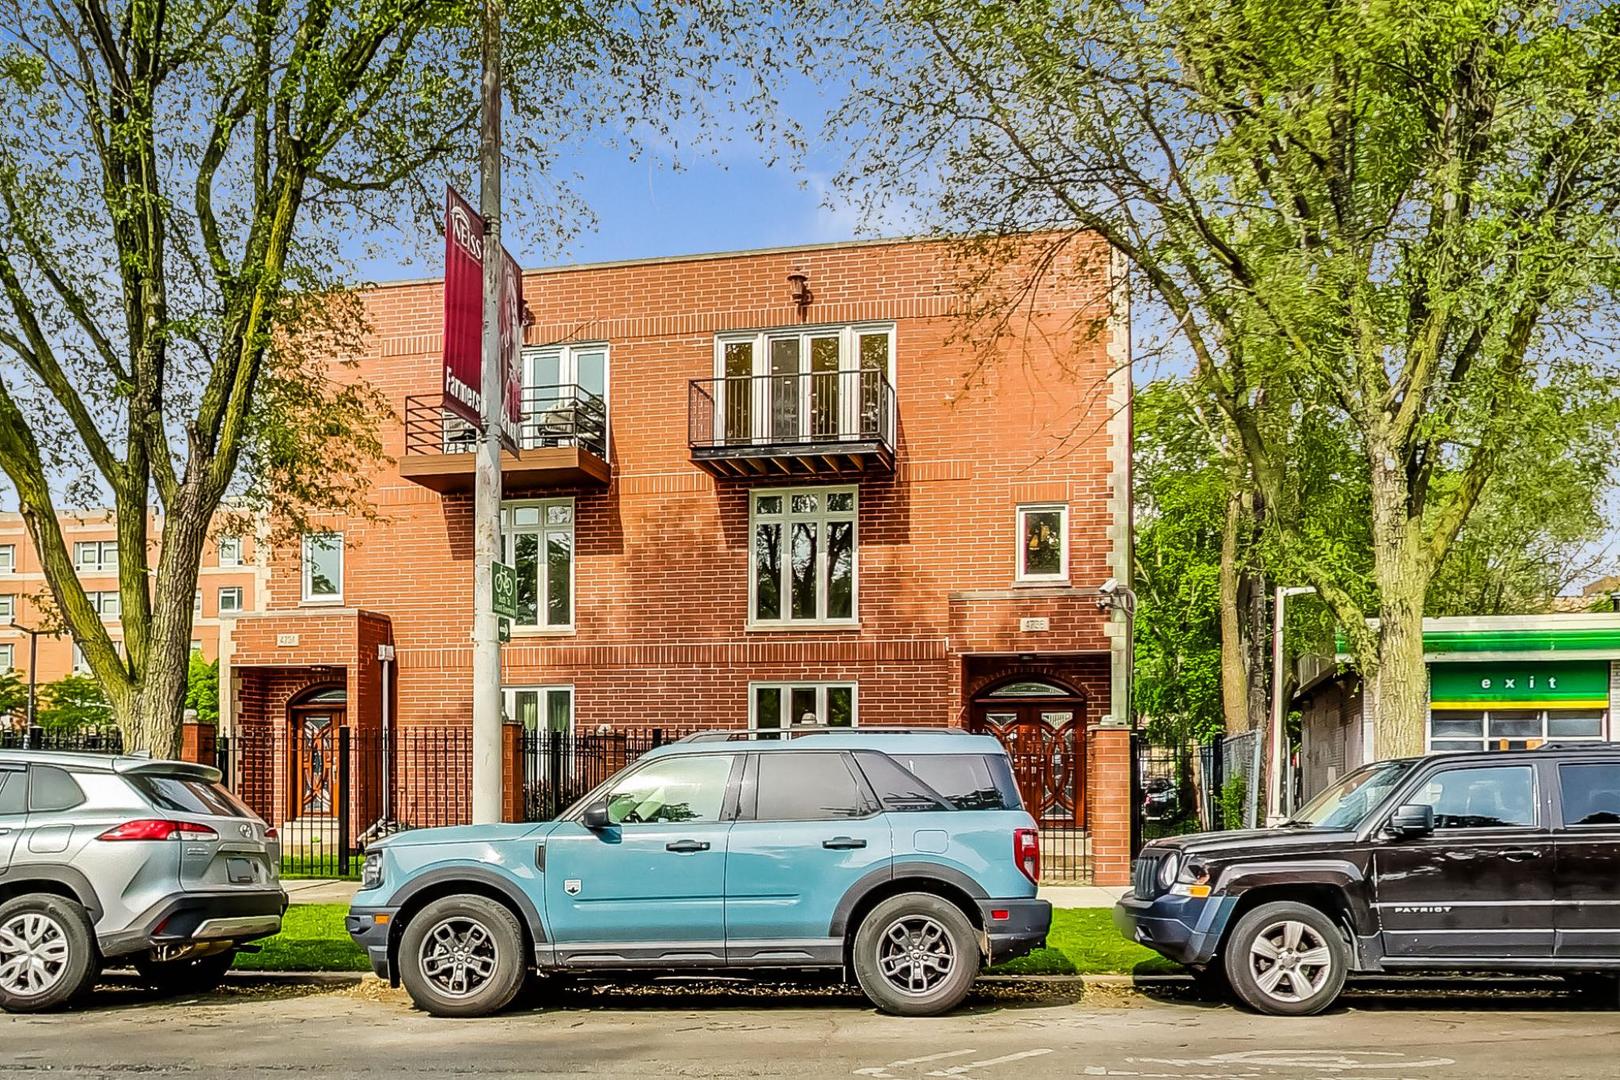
point(814, 422)
point(562, 438)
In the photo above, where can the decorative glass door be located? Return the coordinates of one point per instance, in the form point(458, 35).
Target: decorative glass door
point(315, 763)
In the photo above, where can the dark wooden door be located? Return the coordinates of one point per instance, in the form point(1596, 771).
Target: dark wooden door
point(1046, 741)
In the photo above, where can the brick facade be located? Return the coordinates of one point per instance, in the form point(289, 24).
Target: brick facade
point(661, 564)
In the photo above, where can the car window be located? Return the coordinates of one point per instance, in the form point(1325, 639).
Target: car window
point(677, 789)
point(899, 789)
point(1484, 798)
point(969, 781)
point(1591, 793)
point(13, 791)
point(52, 790)
point(796, 786)
point(188, 796)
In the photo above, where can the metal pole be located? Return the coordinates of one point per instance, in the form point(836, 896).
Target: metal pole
point(1275, 814)
point(486, 721)
point(33, 674)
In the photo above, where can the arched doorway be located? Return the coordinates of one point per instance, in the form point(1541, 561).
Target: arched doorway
point(1042, 723)
point(313, 720)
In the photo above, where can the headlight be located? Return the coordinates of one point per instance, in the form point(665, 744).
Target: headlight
point(371, 876)
point(1168, 867)
point(1193, 879)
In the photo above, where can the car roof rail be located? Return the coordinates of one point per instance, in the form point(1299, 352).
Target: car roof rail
point(1581, 745)
point(773, 734)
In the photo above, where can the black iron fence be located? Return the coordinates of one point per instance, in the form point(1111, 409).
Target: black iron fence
point(561, 767)
point(562, 415)
point(1206, 786)
point(93, 740)
point(798, 409)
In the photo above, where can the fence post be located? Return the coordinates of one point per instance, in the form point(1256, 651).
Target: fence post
point(344, 800)
point(222, 760)
point(554, 774)
point(657, 737)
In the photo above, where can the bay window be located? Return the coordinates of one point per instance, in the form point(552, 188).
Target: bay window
point(802, 556)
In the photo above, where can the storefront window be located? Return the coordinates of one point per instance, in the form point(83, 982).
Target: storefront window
point(1517, 704)
point(1511, 729)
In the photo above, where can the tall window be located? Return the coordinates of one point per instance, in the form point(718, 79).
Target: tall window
point(8, 558)
point(565, 396)
point(541, 708)
point(8, 656)
point(1043, 542)
point(538, 540)
point(230, 599)
point(813, 385)
point(81, 666)
point(323, 568)
point(197, 604)
point(230, 551)
point(96, 555)
point(8, 606)
point(803, 556)
point(774, 706)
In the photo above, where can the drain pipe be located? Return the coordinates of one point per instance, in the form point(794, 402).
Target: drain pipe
point(384, 823)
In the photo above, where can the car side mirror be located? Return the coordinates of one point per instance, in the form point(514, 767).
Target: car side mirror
point(1413, 819)
point(595, 817)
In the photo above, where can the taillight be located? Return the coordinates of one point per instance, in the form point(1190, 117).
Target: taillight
point(1027, 853)
point(159, 829)
point(272, 833)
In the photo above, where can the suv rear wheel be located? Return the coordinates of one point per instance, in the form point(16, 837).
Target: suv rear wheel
point(47, 953)
point(916, 955)
point(188, 975)
point(1286, 959)
point(462, 956)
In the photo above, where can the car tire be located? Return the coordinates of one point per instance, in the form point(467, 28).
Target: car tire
point(916, 955)
point(189, 975)
point(463, 956)
point(1286, 959)
point(48, 954)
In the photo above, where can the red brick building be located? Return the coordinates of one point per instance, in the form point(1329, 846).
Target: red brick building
point(752, 488)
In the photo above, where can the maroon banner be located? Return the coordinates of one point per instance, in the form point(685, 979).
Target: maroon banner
point(464, 319)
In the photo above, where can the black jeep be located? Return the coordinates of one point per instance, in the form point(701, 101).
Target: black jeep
point(1499, 861)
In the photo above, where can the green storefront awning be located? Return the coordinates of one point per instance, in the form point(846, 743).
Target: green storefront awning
point(1547, 640)
point(1520, 684)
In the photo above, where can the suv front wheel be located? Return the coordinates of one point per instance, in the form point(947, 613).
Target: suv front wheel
point(1286, 959)
point(916, 955)
point(47, 953)
point(462, 956)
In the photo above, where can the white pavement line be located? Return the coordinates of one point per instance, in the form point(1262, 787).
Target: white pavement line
point(958, 1070)
point(881, 1072)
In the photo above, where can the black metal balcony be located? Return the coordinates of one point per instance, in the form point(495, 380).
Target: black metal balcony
point(811, 424)
point(561, 440)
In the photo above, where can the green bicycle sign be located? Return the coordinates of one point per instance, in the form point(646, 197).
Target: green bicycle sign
point(503, 587)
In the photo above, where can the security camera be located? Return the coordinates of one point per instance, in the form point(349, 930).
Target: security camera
point(1108, 588)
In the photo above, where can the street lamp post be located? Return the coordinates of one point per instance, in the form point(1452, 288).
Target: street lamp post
point(1279, 710)
point(33, 664)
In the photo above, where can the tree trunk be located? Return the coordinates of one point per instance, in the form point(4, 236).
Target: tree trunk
point(1401, 566)
point(1234, 663)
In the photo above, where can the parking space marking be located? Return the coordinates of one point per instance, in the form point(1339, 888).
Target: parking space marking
point(1323, 1060)
point(881, 1072)
point(958, 1070)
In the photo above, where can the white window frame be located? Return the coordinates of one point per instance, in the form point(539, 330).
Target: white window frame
point(822, 516)
point(304, 569)
point(81, 666)
point(849, 360)
point(102, 564)
point(568, 375)
point(196, 645)
point(1487, 741)
point(233, 545)
point(1022, 511)
point(509, 704)
point(8, 606)
point(510, 529)
point(102, 599)
point(8, 656)
point(233, 590)
point(785, 687)
point(8, 558)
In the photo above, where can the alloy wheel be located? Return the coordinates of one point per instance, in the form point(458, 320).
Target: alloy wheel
point(1290, 961)
point(33, 954)
point(459, 956)
point(915, 954)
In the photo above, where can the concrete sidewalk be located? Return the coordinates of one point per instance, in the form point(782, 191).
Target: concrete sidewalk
point(333, 891)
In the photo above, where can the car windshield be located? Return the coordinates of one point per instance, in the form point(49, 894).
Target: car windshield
point(1346, 803)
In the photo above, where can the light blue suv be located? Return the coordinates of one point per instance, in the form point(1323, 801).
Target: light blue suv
point(903, 857)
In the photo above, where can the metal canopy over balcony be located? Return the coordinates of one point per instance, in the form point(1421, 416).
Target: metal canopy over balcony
point(562, 442)
point(821, 423)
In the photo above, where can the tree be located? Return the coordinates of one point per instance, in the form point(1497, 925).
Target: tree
point(202, 688)
point(13, 695)
point(176, 181)
point(73, 703)
point(1399, 217)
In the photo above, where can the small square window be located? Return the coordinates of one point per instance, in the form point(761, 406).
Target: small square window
point(768, 504)
point(1043, 543)
point(8, 558)
point(8, 606)
point(230, 599)
point(230, 551)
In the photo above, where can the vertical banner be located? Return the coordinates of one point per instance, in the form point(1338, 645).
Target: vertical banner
point(464, 320)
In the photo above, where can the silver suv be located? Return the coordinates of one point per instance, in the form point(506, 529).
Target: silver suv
point(143, 862)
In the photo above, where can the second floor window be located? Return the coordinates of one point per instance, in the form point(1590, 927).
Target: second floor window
point(97, 555)
point(7, 656)
point(230, 551)
point(8, 606)
point(8, 558)
point(1043, 542)
point(537, 539)
point(230, 599)
point(565, 395)
point(105, 602)
point(81, 666)
point(323, 568)
point(802, 556)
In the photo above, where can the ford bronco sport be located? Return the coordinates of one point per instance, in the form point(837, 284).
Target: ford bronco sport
point(1490, 861)
point(905, 858)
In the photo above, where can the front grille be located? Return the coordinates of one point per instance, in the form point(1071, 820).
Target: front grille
point(1145, 876)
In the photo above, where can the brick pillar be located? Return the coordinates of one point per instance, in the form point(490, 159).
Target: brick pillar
point(1108, 803)
point(512, 772)
point(197, 742)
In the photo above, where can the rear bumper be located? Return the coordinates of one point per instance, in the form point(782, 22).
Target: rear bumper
point(371, 935)
point(189, 918)
point(1021, 929)
point(1185, 929)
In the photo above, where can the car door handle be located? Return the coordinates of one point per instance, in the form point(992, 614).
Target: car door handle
point(843, 843)
point(1520, 854)
point(5, 832)
point(687, 847)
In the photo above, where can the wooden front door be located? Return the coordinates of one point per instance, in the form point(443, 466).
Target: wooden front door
point(313, 767)
point(1046, 742)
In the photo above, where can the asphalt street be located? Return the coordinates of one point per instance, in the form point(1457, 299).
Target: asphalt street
point(1024, 1032)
